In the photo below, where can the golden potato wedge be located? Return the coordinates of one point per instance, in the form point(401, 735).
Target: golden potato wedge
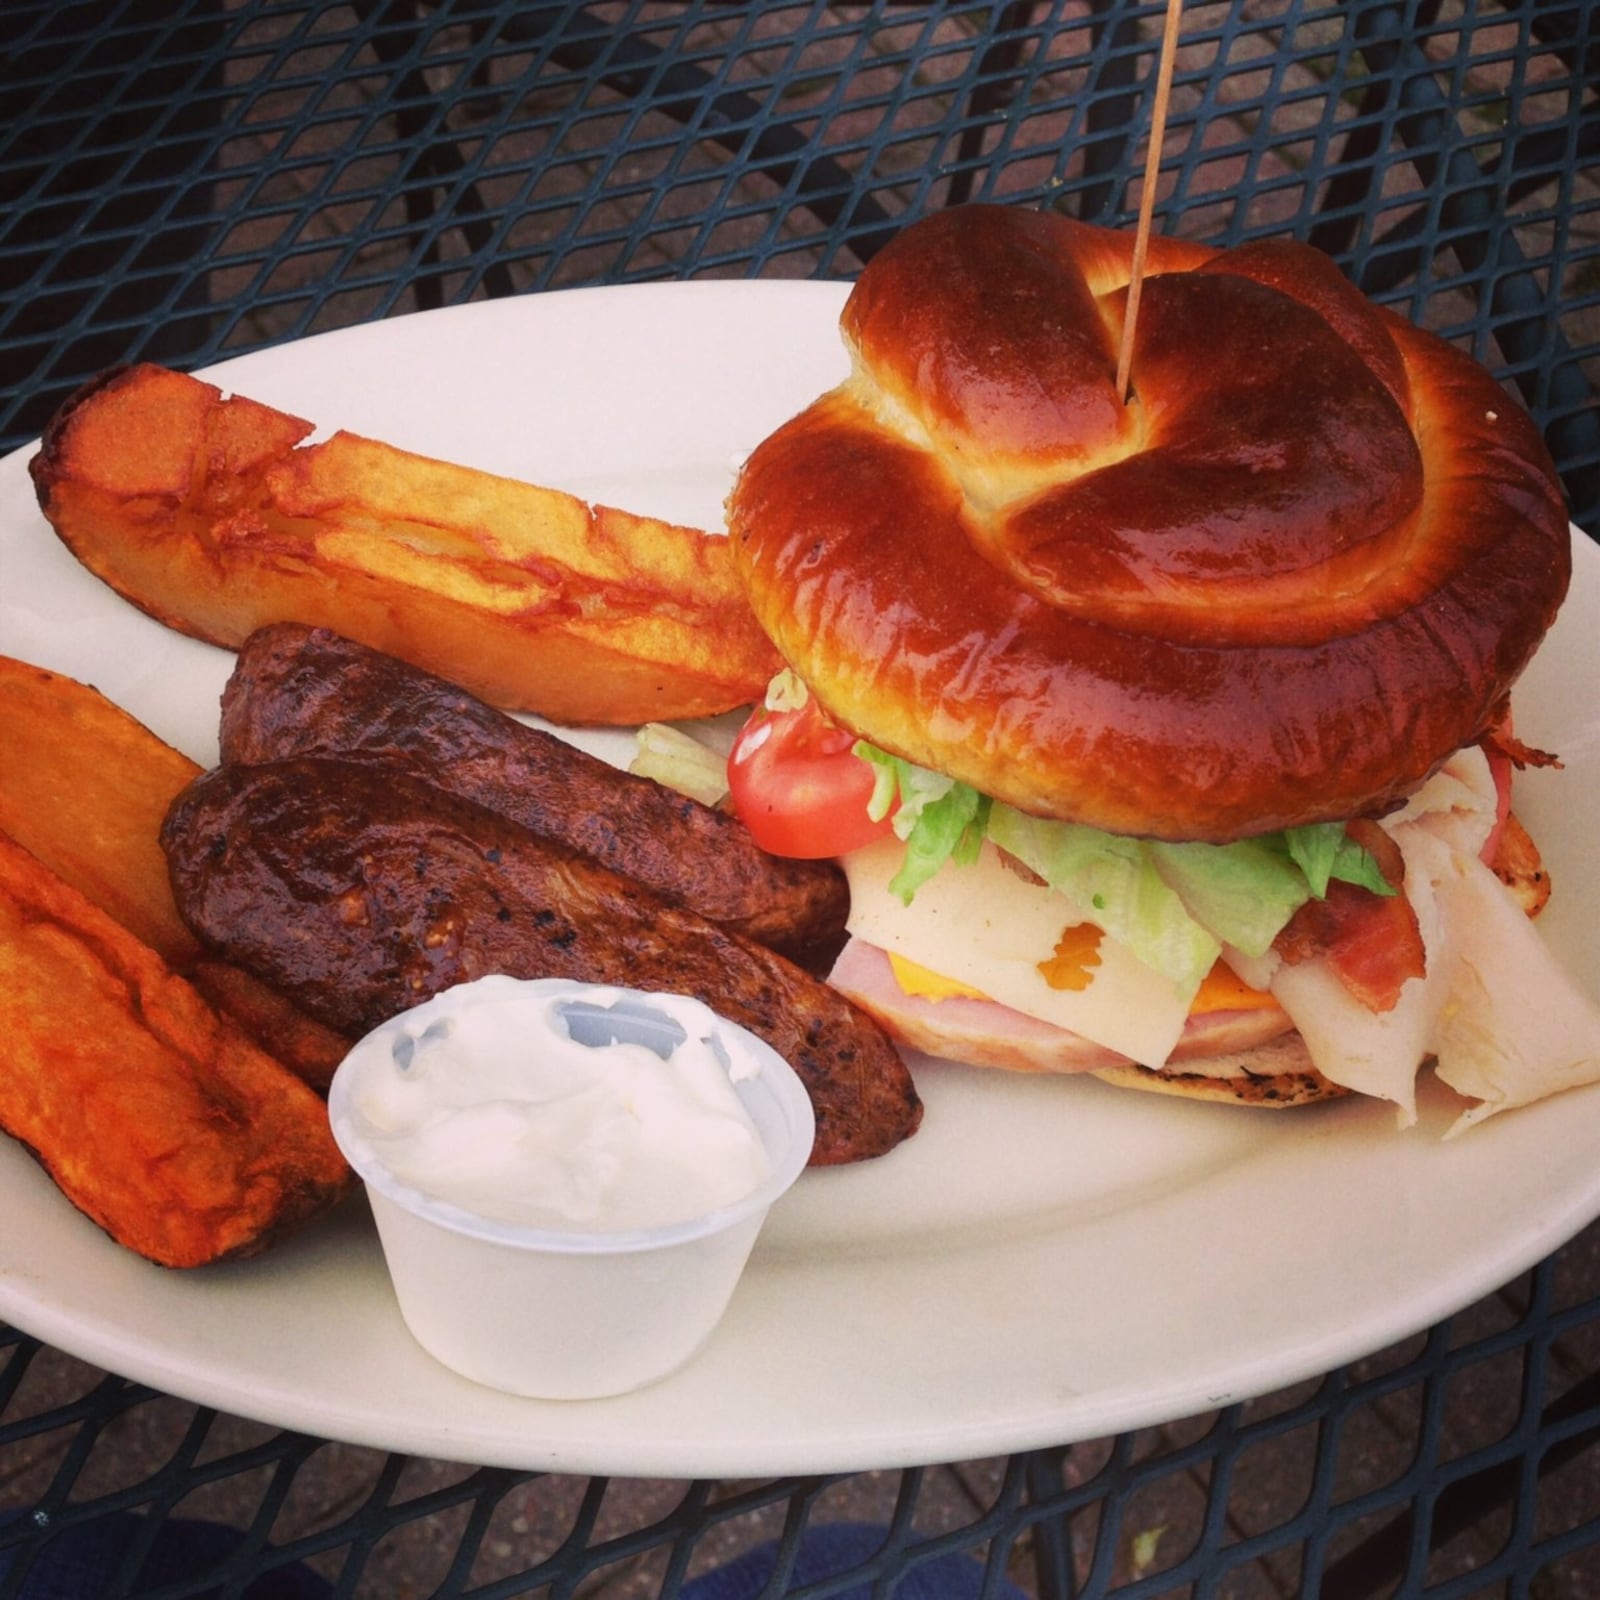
point(157, 1117)
point(210, 514)
point(84, 788)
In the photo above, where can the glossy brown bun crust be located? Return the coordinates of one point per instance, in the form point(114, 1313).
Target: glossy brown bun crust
point(1301, 567)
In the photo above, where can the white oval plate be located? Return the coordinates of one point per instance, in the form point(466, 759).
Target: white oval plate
point(1046, 1261)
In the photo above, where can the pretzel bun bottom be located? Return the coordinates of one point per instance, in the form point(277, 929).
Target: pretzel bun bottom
point(1273, 1077)
point(1298, 569)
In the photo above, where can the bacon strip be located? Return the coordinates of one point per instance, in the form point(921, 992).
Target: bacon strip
point(1371, 942)
point(1501, 741)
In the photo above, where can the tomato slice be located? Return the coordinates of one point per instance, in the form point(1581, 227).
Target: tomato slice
point(798, 785)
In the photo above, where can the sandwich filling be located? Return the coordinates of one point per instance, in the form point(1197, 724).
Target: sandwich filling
point(1002, 939)
point(1477, 990)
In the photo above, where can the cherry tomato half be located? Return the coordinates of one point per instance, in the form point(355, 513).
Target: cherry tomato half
point(798, 786)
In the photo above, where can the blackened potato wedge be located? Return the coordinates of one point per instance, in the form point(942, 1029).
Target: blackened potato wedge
point(360, 892)
point(297, 691)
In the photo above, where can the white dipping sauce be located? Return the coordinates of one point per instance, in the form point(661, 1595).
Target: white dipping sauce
point(503, 1109)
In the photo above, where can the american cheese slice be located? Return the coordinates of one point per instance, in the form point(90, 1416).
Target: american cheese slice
point(923, 983)
point(1223, 989)
point(985, 928)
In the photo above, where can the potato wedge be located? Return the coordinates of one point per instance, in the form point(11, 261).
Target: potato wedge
point(157, 1117)
point(84, 788)
point(210, 514)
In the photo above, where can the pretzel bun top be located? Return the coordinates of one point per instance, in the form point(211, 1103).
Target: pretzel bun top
point(1300, 567)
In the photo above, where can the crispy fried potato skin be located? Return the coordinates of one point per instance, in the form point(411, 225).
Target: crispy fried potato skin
point(311, 1051)
point(362, 891)
point(211, 515)
point(159, 1119)
point(308, 691)
point(84, 788)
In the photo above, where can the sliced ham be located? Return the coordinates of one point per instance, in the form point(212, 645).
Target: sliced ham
point(984, 1033)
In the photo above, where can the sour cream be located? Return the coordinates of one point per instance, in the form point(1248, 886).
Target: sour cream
point(608, 1114)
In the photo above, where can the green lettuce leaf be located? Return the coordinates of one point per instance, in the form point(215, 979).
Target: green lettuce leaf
point(1173, 905)
point(939, 819)
point(1325, 852)
point(1116, 882)
point(1244, 893)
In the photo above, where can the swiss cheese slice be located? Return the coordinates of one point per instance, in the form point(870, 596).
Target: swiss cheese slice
point(984, 927)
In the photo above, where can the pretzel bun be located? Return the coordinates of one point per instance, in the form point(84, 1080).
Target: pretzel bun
point(1296, 571)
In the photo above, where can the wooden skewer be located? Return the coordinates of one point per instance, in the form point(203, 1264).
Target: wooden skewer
point(1147, 193)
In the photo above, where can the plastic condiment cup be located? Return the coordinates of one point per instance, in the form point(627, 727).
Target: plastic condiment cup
point(566, 1313)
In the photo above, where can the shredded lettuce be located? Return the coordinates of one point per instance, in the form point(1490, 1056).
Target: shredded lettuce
point(1174, 905)
point(1116, 882)
point(1244, 893)
point(787, 691)
point(939, 820)
point(678, 760)
point(1325, 852)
